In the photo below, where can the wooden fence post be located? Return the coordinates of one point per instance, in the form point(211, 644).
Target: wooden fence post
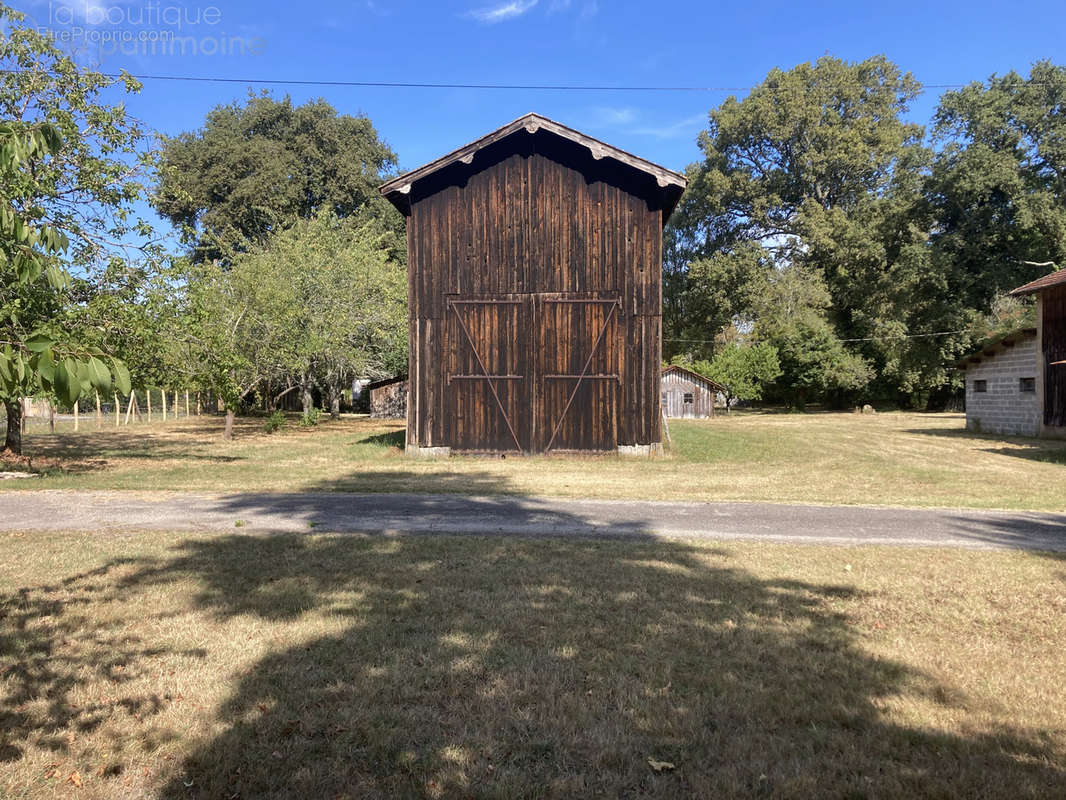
point(163, 397)
point(99, 424)
point(51, 417)
point(129, 408)
point(177, 408)
point(148, 396)
point(75, 416)
point(199, 408)
point(117, 412)
point(186, 403)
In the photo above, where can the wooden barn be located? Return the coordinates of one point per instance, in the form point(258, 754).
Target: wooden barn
point(535, 292)
point(688, 394)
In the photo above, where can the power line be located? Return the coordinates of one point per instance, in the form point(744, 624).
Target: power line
point(545, 87)
point(887, 338)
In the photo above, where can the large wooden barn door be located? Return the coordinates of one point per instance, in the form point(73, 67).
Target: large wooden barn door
point(487, 373)
point(578, 374)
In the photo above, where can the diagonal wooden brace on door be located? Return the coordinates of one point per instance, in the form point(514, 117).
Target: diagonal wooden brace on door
point(485, 375)
point(584, 373)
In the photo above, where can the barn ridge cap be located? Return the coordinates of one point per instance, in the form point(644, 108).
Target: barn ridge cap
point(531, 123)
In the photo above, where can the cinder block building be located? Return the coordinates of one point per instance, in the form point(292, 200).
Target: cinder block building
point(1001, 390)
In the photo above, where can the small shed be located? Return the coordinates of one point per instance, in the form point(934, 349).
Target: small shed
point(687, 394)
point(1050, 355)
point(535, 293)
point(388, 398)
point(1001, 385)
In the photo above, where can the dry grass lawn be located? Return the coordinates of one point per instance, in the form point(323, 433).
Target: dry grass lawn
point(890, 459)
point(320, 666)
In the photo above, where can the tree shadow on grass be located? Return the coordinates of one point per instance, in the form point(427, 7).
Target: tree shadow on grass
point(395, 439)
point(519, 667)
point(90, 451)
point(51, 646)
point(1049, 451)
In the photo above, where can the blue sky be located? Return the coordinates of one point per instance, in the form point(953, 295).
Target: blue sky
point(531, 41)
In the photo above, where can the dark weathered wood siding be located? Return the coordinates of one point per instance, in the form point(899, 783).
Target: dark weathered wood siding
point(537, 261)
point(1054, 346)
point(389, 401)
point(676, 385)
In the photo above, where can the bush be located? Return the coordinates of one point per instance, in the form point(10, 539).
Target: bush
point(311, 417)
point(275, 422)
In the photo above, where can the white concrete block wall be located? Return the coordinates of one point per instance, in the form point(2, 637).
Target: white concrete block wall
point(1004, 408)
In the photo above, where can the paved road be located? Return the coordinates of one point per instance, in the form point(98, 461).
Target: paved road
point(418, 513)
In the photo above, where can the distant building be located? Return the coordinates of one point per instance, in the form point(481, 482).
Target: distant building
point(388, 398)
point(1001, 386)
point(687, 394)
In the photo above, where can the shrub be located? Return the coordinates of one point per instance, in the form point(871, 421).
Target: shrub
point(311, 417)
point(275, 422)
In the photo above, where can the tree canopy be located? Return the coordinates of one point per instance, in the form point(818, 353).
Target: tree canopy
point(253, 169)
point(901, 243)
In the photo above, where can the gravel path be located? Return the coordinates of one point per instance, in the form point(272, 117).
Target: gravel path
point(419, 513)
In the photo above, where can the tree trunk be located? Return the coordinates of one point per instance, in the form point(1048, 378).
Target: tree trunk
point(13, 441)
point(228, 432)
point(305, 393)
point(334, 402)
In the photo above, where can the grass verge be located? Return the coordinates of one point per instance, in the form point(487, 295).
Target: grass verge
point(346, 666)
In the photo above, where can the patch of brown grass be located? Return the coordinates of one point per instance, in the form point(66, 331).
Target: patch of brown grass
point(325, 665)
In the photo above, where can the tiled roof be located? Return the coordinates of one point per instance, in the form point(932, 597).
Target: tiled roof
point(1056, 278)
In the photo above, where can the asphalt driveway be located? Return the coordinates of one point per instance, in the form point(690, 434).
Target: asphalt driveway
point(529, 516)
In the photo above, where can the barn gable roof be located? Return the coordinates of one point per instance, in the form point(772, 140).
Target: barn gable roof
point(397, 189)
point(713, 384)
point(1056, 278)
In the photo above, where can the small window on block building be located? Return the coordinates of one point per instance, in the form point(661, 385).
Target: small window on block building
point(980, 386)
point(1026, 384)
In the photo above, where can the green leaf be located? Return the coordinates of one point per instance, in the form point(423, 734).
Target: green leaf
point(38, 343)
point(5, 365)
point(46, 366)
point(99, 377)
point(61, 380)
point(69, 388)
point(122, 376)
point(83, 379)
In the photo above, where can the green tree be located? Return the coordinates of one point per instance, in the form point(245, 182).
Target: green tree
point(814, 364)
point(743, 369)
point(998, 189)
point(253, 169)
point(68, 166)
point(818, 169)
point(318, 304)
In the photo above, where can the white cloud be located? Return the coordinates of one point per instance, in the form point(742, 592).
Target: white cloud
point(493, 14)
point(687, 127)
point(609, 116)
